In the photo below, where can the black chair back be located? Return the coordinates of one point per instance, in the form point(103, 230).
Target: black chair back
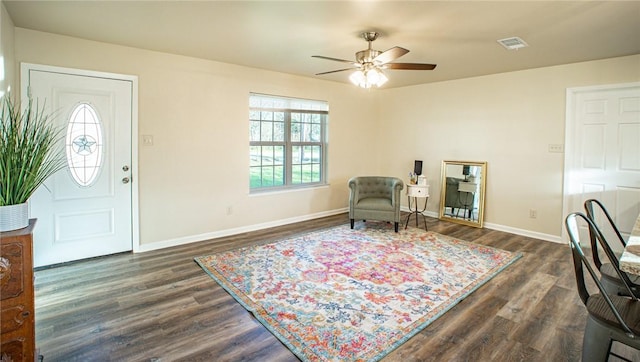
point(610, 317)
point(571, 224)
point(592, 206)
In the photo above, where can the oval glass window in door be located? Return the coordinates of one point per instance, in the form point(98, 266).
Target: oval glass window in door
point(84, 144)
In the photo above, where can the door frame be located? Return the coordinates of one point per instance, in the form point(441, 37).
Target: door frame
point(570, 141)
point(25, 68)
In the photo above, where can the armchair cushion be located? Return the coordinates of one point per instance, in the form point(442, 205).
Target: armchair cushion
point(375, 203)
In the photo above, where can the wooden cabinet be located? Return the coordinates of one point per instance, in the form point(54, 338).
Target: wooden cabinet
point(17, 310)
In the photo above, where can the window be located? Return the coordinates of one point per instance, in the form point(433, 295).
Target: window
point(287, 142)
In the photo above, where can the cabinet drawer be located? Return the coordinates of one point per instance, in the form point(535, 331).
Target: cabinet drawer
point(418, 190)
point(12, 271)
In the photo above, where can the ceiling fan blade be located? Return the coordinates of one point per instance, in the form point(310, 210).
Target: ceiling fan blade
point(335, 71)
point(409, 66)
point(335, 59)
point(389, 55)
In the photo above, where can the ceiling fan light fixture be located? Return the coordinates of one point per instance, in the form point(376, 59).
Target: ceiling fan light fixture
point(358, 78)
point(368, 78)
point(370, 64)
point(376, 77)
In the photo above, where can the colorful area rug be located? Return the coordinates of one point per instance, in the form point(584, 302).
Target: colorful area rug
point(353, 295)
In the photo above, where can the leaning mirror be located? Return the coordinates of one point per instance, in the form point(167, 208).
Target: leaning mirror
point(462, 192)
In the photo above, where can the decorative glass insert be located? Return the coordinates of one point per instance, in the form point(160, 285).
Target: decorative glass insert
point(84, 144)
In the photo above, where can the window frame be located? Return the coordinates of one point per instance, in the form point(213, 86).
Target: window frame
point(299, 106)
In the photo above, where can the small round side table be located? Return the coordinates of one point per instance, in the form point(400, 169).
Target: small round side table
point(416, 192)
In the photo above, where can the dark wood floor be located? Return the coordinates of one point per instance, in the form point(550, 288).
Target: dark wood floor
point(161, 306)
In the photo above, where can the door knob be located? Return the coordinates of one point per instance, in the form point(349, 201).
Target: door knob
point(125, 180)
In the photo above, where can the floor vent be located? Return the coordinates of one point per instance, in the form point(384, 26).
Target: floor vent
point(513, 43)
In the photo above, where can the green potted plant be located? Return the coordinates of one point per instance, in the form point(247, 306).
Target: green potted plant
point(29, 154)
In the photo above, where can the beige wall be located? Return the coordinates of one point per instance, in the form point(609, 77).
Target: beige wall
point(8, 75)
point(508, 120)
point(196, 111)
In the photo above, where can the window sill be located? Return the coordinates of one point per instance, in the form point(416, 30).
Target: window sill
point(287, 190)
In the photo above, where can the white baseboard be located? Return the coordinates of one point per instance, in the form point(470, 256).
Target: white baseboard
point(523, 232)
point(222, 233)
point(508, 229)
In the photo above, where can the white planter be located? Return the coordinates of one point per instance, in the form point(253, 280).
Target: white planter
point(14, 217)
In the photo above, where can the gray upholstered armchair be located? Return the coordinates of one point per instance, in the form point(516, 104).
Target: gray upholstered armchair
point(376, 198)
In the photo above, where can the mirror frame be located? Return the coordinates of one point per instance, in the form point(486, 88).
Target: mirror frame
point(481, 191)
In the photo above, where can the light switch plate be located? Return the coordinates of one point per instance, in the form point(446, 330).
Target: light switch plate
point(556, 148)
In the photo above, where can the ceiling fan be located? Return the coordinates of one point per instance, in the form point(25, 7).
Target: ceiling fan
point(370, 63)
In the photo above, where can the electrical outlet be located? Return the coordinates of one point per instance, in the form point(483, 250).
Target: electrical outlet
point(533, 213)
point(147, 140)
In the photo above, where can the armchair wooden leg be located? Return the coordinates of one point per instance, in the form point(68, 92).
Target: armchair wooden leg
point(396, 226)
point(352, 221)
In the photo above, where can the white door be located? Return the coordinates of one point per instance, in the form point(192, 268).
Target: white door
point(85, 210)
point(603, 153)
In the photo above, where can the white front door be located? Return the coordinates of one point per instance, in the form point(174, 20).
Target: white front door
point(603, 153)
point(85, 210)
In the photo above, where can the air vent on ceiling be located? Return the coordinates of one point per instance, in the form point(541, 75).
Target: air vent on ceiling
point(513, 43)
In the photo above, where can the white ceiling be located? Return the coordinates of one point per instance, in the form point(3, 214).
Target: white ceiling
point(460, 36)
